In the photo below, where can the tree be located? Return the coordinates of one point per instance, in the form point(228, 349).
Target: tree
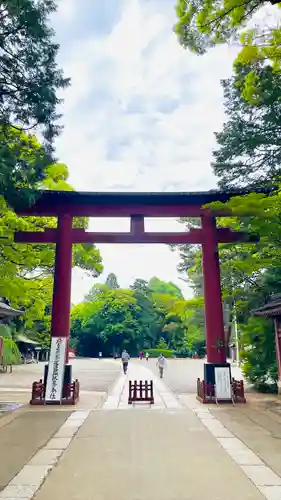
point(96, 290)
point(26, 271)
point(30, 77)
point(248, 152)
point(158, 286)
point(113, 319)
point(110, 320)
point(204, 24)
point(140, 286)
point(111, 281)
point(23, 162)
point(260, 364)
point(10, 354)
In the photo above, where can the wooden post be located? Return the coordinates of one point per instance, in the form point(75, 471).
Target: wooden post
point(277, 324)
point(62, 280)
point(215, 341)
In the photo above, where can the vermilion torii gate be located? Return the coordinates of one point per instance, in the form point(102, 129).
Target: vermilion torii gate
point(67, 204)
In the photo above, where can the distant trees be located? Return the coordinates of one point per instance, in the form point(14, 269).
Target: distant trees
point(137, 318)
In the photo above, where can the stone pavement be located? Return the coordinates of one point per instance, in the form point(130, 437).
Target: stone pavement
point(118, 399)
point(183, 451)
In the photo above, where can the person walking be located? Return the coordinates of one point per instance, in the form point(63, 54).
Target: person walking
point(147, 356)
point(125, 360)
point(161, 363)
point(141, 354)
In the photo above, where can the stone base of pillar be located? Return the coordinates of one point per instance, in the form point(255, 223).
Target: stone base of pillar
point(279, 387)
point(70, 391)
point(209, 371)
point(207, 393)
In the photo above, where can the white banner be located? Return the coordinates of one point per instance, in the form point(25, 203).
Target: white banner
point(56, 369)
point(223, 383)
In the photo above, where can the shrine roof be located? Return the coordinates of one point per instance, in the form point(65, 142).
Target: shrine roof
point(7, 311)
point(271, 309)
point(116, 204)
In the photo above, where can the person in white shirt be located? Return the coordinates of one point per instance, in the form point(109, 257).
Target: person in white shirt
point(161, 363)
point(125, 360)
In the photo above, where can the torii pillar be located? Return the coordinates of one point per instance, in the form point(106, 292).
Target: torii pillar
point(214, 322)
point(61, 303)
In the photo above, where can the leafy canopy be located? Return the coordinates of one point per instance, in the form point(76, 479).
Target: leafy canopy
point(30, 77)
point(203, 24)
point(138, 318)
point(248, 152)
point(26, 271)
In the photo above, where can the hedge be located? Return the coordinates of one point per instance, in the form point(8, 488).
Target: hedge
point(155, 353)
point(10, 353)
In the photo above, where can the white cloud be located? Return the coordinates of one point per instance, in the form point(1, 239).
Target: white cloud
point(139, 66)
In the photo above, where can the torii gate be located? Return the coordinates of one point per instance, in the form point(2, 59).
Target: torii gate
point(68, 204)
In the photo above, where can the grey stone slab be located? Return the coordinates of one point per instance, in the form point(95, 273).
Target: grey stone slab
point(73, 423)
point(58, 443)
point(46, 457)
point(66, 432)
point(216, 428)
point(245, 457)
point(261, 475)
point(232, 444)
point(31, 475)
point(19, 492)
point(271, 492)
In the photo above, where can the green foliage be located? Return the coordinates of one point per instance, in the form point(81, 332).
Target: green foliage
point(204, 24)
point(111, 319)
point(248, 152)
point(155, 353)
point(22, 165)
point(30, 77)
point(10, 354)
point(26, 271)
point(162, 345)
point(140, 286)
point(259, 356)
point(111, 281)
point(157, 286)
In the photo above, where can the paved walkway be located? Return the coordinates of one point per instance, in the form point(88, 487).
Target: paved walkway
point(118, 399)
point(184, 451)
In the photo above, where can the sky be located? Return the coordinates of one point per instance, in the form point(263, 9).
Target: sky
point(140, 115)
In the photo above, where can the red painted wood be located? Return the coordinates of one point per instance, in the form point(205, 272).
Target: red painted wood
point(62, 280)
point(277, 323)
point(89, 210)
point(136, 235)
point(112, 204)
point(212, 292)
point(137, 224)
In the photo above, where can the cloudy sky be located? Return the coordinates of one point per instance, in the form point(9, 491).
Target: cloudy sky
point(140, 115)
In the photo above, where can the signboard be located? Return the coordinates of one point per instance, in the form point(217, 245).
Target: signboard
point(223, 383)
point(56, 369)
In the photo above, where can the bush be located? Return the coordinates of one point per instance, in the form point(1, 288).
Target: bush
point(10, 353)
point(184, 353)
point(154, 353)
point(259, 357)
